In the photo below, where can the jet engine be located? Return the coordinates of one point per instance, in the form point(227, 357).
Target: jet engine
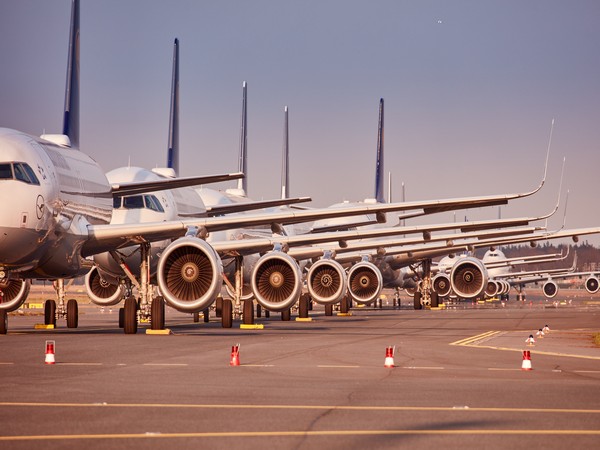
point(190, 274)
point(493, 288)
point(504, 287)
point(364, 282)
point(468, 278)
point(592, 285)
point(13, 294)
point(550, 289)
point(276, 281)
point(101, 290)
point(327, 282)
point(441, 284)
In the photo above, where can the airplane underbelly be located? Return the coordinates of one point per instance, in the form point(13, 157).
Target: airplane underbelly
point(20, 246)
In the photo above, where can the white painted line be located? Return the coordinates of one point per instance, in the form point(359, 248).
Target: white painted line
point(167, 365)
point(338, 367)
point(6, 363)
point(78, 364)
point(426, 368)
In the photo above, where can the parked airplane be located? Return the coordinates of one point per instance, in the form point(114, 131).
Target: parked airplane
point(57, 205)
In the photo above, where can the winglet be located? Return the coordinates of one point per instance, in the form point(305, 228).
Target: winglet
point(173, 150)
point(285, 166)
point(379, 167)
point(71, 110)
point(243, 158)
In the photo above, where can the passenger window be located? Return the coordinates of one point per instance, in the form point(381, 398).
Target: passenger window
point(6, 172)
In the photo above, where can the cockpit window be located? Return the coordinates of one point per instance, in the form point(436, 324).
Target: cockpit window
point(6, 172)
point(138, 202)
point(18, 171)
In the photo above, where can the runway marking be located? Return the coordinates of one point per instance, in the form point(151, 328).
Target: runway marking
point(78, 364)
point(324, 366)
point(423, 367)
point(471, 339)
point(166, 364)
point(230, 434)
point(299, 407)
point(586, 371)
point(6, 363)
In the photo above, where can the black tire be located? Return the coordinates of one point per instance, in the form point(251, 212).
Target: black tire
point(130, 324)
point(417, 300)
point(157, 314)
point(3, 321)
point(72, 314)
point(258, 310)
point(196, 317)
point(248, 312)
point(121, 317)
point(286, 315)
point(435, 300)
point(226, 314)
point(206, 315)
point(267, 313)
point(344, 305)
point(50, 312)
point(329, 309)
point(304, 306)
point(219, 306)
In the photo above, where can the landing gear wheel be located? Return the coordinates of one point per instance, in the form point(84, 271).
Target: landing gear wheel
point(329, 309)
point(130, 324)
point(72, 314)
point(435, 300)
point(50, 312)
point(3, 321)
point(248, 312)
point(417, 299)
point(157, 314)
point(267, 313)
point(206, 315)
point(258, 310)
point(226, 314)
point(121, 317)
point(286, 315)
point(344, 305)
point(196, 317)
point(304, 306)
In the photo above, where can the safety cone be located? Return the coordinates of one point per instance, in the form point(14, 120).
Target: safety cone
point(389, 357)
point(530, 340)
point(50, 352)
point(526, 365)
point(235, 355)
point(546, 329)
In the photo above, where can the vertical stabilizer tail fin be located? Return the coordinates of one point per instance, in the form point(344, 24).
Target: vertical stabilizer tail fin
point(173, 145)
point(285, 163)
point(71, 111)
point(379, 168)
point(243, 162)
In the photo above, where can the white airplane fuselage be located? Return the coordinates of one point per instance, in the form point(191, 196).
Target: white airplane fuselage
point(44, 218)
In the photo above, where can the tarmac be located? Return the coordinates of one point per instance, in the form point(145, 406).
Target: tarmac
point(457, 382)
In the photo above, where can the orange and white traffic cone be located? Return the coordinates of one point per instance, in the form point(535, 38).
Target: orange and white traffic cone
point(389, 357)
point(526, 365)
point(235, 355)
point(50, 352)
point(530, 340)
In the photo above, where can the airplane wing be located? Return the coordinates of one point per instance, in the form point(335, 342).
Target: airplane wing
point(141, 187)
point(106, 237)
point(219, 210)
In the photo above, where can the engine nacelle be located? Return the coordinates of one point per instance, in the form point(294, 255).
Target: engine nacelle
point(592, 284)
point(190, 274)
point(13, 294)
point(505, 287)
point(492, 288)
point(468, 278)
point(550, 289)
point(364, 282)
point(327, 281)
point(102, 290)
point(441, 284)
point(276, 281)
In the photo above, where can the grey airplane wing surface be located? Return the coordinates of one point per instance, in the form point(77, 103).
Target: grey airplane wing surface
point(217, 210)
point(142, 187)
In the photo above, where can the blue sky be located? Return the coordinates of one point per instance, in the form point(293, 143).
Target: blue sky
point(470, 90)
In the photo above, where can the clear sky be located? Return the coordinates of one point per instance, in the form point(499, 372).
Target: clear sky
point(470, 90)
